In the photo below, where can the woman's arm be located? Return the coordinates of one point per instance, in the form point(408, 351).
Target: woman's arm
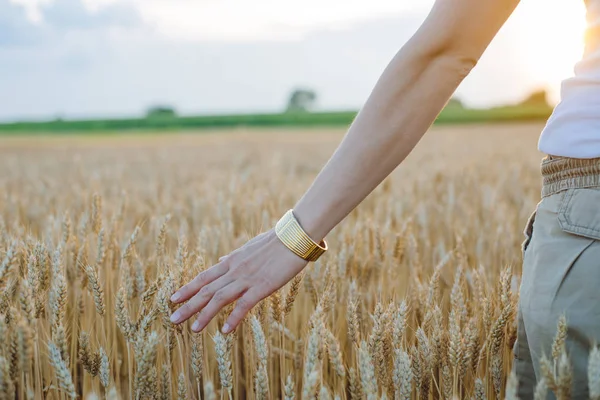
point(406, 100)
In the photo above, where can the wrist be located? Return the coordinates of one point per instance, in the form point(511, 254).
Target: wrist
point(310, 222)
point(295, 238)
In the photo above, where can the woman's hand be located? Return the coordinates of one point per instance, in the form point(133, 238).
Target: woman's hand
point(248, 275)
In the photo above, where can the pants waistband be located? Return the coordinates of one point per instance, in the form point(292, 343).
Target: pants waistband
point(563, 173)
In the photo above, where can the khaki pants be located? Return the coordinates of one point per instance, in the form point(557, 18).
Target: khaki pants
point(561, 272)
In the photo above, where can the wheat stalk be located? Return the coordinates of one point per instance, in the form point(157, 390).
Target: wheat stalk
point(104, 368)
point(402, 375)
point(367, 372)
point(197, 356)
point(289, 391)
point(335, 353)
point(63, 374)
point(223, 360)
point(95, 288)
point(541, 390)
point(181, 388)
point(593, 373)
point(146, 378)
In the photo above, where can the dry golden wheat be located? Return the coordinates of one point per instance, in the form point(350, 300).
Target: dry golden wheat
point(415, 299)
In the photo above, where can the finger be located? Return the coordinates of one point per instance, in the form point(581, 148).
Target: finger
point(242, 307)
point(200, 300)
point(201, 280)
point(221, 298)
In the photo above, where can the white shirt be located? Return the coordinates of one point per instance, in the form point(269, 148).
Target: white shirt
point(573, 130)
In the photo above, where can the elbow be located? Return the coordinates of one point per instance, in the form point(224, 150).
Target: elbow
point(451, 59)
point(448, 51)
point(459, 64)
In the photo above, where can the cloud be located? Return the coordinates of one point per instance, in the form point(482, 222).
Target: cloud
point(35, 23)
point(103, 73)
point(96, 73)
point(96, 58)
point(15, 28)
point(69, 15)
point(268, 20)
point(223, 20)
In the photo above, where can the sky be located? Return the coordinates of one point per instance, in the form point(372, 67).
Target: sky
point(116, 58)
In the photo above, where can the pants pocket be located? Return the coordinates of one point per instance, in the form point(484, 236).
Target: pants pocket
point(579, 213)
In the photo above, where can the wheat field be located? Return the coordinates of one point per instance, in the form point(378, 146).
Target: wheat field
point(415, 300)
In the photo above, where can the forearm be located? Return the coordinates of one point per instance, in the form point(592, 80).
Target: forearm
point(407, 98)
point(404, 103)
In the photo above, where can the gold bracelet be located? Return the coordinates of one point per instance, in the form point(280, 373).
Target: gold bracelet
point(292, 235)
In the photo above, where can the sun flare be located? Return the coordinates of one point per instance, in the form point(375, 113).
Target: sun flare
point(553, 40)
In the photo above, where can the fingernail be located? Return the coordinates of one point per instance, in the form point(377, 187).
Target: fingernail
point(226, 328)
point(175, 297)
point(196, 326)
point(175, 316)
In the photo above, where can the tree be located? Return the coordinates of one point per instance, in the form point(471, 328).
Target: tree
point(538, 98)
point(161, 112)
point(455, 102)
point(301, 100)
